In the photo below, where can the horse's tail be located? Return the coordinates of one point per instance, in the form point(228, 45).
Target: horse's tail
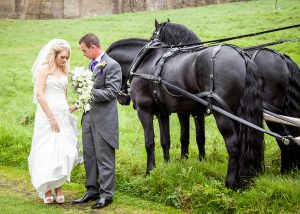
point(291, 104)
point(251, 154)
point(292, 108)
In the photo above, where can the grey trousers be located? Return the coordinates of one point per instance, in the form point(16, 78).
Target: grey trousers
point(99, 160)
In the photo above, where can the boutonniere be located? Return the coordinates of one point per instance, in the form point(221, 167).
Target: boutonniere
point(100, 65)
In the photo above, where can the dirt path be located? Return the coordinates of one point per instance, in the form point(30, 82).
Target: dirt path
point(16, 189)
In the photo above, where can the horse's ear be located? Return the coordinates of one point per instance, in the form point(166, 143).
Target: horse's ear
point(156, 24)
point(169, 20)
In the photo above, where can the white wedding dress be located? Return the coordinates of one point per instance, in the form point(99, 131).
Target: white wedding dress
point(53, 155)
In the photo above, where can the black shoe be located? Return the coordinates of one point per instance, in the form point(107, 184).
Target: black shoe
point(86, 198)
point(103, 202)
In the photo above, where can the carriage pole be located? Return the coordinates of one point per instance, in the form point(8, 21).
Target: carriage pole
point(292, 121)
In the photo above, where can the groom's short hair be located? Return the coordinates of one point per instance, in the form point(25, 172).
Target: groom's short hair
point(90, 39)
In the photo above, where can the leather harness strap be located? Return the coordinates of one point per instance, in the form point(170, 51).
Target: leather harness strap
point(212, 94)
point(141, 55)
point(254, 54)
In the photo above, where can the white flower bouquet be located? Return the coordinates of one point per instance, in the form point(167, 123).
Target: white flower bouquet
point(83, 80)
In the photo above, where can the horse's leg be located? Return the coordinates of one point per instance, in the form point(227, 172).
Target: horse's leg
point(200, 134)
point(184, 120)
point(228, 130)
point(292, 150)
point(289, 156)
point(146, 119)
point(164, 126)
point(286, 157)
point(285, 150)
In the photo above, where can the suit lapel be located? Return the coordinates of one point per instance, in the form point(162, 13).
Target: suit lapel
point(99, 72)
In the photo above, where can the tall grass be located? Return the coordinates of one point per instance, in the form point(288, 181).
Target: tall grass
point(188, 184)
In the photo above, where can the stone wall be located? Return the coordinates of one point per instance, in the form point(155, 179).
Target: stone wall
point(11, 9)
point(97, 7)
point(57, 9)
point(140, 5)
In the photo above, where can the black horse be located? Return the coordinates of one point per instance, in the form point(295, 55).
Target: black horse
point(124, 52)
point(236, 84)
point(281, 92)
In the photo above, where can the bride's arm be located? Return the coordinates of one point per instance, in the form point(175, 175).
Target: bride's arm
point(73, 107)
point(40, 85)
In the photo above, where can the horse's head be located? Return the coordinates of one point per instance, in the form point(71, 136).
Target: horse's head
point(174, 34)
point(158, 28)
point(123, 95)
point(124, 52)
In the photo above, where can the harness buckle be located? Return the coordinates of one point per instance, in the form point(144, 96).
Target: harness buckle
point(286, 140)
point(208, 110)
point(155, 79)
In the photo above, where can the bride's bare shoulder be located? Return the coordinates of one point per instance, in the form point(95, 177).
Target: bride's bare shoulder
point(44, 69)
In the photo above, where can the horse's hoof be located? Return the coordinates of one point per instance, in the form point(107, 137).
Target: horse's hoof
point(184, 156)
point(147, 173)
point(201, 157)
point(231, 185)
point(167, 160)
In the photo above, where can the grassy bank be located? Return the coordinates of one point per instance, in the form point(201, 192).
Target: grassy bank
point(190, 185)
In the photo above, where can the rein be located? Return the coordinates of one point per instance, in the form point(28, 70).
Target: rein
point(235, 37)
point(271, 43)
point(285, 139)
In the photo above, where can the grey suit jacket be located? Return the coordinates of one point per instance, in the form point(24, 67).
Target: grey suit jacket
point(104, 112)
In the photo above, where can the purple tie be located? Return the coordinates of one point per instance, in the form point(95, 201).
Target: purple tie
point(93, 64)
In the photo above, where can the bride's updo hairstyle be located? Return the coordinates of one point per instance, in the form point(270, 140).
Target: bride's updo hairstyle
point(55, 50)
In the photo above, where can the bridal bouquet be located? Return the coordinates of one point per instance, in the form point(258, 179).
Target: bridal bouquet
point(82, 80)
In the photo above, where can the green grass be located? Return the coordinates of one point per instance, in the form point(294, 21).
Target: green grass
point(190, 185)
point(14, 204)
point(17, 196)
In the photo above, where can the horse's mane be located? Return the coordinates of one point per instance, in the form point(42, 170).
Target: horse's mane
point(123, 42)
point(174, 34)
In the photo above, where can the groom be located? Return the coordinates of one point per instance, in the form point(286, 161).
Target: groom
point(100, 125)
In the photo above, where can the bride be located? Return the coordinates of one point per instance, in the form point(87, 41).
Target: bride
point(54, 150)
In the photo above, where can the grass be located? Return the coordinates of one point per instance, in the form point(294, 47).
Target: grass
point(190, 185)
point(17, 196)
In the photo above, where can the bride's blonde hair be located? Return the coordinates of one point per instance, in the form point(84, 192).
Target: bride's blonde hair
point(55, 50)
point(47, 56)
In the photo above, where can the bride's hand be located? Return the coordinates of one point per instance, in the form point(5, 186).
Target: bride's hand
point(72, 108)
point(54, 125)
